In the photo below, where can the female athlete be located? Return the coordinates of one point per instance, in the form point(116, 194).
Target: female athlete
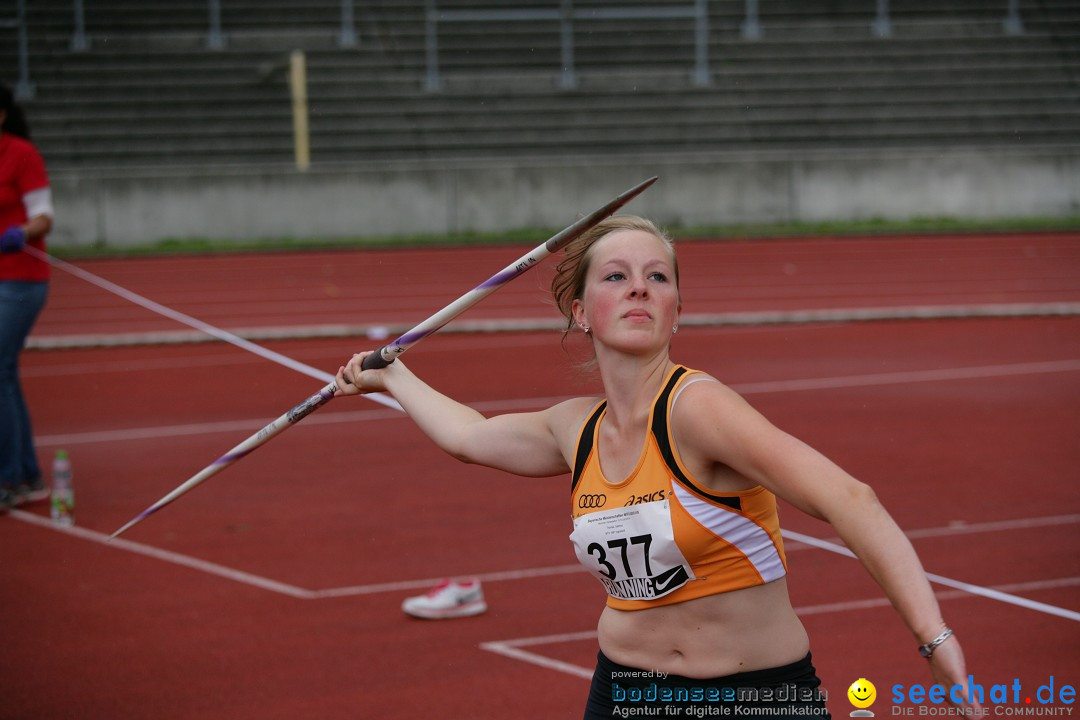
point(675, 480)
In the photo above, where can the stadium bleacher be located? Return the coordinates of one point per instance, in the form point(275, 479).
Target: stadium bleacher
point(173, 118)
point(148, 90)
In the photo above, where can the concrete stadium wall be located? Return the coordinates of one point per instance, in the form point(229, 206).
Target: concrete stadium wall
point(139, 206)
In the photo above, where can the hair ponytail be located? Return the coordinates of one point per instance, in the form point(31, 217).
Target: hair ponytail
point(15, 121)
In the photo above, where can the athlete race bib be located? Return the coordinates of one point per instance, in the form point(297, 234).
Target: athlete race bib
point(632, 550)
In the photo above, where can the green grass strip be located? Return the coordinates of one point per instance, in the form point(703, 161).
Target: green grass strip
point(869, 227)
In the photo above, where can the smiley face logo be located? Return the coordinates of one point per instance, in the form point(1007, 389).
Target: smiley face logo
point(862, 693)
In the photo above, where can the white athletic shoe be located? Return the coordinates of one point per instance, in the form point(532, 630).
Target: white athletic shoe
point(448, 599)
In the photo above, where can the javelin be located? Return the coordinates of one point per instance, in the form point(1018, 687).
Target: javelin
point(390, 352)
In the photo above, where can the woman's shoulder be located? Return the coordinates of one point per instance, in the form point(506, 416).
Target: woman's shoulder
point(568, 417)
point(21, 154)
point(700, 395)
point(574, 411)
point(565, 421)
point(14, 143)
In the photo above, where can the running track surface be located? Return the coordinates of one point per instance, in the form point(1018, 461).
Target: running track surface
point(274, 590)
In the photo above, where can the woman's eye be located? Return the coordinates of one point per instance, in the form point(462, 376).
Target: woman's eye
point(659, 277)
point(615, 276)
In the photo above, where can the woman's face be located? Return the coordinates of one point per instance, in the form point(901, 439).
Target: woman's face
point(631, 301)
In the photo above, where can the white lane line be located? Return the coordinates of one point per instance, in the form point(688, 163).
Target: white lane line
point(911, 376)
point(521, 324)
point(202, 327)
point(244, 578)
point(1033, 586)
point(229, 426)
point(502, 576)
point(949, 582)
point(430, 582)
point(327, 418)
point(948, 530)
point(513, 648)
point(956, 528)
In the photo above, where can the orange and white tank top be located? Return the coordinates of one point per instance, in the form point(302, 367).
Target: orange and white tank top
point(659, 537)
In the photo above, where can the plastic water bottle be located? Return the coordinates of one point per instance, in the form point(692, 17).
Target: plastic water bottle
point(63, 491)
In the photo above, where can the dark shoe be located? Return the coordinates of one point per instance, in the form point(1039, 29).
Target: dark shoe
point(30, 494)
point(7, 500)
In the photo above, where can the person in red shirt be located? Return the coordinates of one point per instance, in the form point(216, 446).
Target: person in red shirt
point(25, 218)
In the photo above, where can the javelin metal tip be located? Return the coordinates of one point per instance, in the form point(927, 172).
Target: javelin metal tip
point(633, 192)
point(132, 522)
point(641, 186)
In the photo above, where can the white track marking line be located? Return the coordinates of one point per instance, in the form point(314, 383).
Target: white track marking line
point(964, 528)
point(986, 371)
point(244, 578)
point(782, 386)
point(910, 376)
point(948, 582)
point(430, 582)
point(973, 528)
point(305, 594)
point(230, 426)
point(512, 648)
point(872, 314)
point(199, 325)
point(330, 417)
point(847, 606)
point(757, 319)
point(40, 367)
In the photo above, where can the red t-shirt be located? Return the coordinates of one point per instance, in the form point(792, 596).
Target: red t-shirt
point(21, 171)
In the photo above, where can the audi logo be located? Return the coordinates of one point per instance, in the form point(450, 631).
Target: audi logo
point(591, 501)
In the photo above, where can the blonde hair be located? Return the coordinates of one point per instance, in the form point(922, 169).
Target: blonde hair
point(568, 284)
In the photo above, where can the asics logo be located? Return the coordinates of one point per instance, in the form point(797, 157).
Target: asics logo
point(648, 497)
point(592, 501)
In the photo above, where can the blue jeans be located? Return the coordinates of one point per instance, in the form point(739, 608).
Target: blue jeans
point(20, 303)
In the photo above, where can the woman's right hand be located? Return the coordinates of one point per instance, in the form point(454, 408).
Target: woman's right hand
point(352, 379)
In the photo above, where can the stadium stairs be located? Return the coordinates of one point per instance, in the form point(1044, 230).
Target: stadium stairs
point(148, 91)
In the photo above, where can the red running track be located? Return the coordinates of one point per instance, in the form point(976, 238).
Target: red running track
point(274, 590)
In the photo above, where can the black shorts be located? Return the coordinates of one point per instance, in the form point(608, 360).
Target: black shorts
point(790, 692)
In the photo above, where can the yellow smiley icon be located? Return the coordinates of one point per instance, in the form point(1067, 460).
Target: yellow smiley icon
point(862, 693)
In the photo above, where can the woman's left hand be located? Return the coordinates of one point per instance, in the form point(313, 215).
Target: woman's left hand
point(949, 671)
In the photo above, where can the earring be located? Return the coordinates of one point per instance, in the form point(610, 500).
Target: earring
point(586, 328)
point(674, 329)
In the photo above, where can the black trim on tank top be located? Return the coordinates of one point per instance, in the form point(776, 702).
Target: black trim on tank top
point(585, 445)
point(661, 433)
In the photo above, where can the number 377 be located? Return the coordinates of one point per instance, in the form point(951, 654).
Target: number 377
point(624, 546)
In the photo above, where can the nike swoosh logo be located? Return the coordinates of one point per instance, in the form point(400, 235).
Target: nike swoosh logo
point(670, 580)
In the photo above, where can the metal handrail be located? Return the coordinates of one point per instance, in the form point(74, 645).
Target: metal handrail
point(24, 89)
point(565, 15)
point(882, 24)
point(215, 37)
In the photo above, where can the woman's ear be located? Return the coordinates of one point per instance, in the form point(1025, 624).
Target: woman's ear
point(577, 309)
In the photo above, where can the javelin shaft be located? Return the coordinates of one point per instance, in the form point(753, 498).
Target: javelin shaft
point(388, 353)
point(391, 351)
point(263, 436)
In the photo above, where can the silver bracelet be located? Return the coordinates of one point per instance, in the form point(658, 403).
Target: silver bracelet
point(927, 650)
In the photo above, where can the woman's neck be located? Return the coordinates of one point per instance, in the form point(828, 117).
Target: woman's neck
point(631, 385)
